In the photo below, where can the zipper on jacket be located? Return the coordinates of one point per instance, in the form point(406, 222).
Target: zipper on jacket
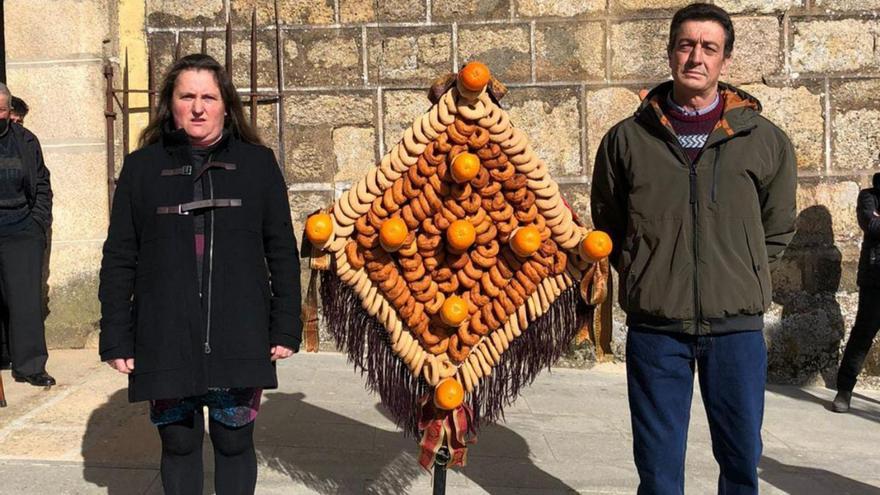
point(694, 202)
point(692, 177)
point(210, 262)
point(715, 172)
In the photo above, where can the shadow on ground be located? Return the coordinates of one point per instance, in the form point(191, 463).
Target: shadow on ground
point(799, 479)
point(328, 452)
point(857, 409)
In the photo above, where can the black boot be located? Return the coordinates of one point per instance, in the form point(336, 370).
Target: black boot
point(841, 402)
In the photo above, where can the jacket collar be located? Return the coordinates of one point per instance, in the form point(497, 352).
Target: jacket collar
point(20, 133)
point(177, 140)
point(740, 110)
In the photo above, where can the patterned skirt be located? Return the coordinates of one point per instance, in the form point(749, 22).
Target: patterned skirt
point(233, 407)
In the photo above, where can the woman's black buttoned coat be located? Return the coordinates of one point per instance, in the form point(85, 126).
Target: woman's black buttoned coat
point(186, 337)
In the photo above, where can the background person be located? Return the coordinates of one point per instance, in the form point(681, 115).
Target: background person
point(25, 219)
point(868, 314)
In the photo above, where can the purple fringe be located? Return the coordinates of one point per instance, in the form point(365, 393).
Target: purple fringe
point(366, 343)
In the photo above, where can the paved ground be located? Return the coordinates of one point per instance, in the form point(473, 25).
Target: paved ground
point(321, 433)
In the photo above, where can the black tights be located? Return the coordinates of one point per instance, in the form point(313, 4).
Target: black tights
point(235, 461)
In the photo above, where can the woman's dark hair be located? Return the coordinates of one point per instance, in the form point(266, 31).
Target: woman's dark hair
point(235, 121)
point(702, 12)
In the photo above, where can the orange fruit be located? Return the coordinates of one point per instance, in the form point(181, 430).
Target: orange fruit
point(448, 394)
point(460, 235)
point(525, 241)
point(465, 167)
point(474, 76)
point(596, 246)
point(319, 228)
point(393, 233)
point(454, 311)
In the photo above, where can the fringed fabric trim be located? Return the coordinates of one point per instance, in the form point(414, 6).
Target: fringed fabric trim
point(366, 343)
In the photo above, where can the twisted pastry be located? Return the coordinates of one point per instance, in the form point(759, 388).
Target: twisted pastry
point(355, 259)
point(503, 173)
point(434, 306)
point(456, 136)
point(478, 139)
point(516, 144)
point(473, 111)
point(502, 136)
point(457, 350)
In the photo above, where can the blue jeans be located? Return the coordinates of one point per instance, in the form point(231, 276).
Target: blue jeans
point(660, 381)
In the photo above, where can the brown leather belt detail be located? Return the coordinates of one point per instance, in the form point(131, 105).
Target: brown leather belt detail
point(210, 165)
point(185, 170)
point(188, 169)
point(188, 208)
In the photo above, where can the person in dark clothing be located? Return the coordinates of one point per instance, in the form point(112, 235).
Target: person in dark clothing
point(199, 283)
point(25, 218)
point(697, 191)
point(18, 110)
point(868, 313)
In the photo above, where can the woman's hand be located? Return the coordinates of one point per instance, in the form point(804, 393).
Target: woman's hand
point(280, 352)
point(124, 366)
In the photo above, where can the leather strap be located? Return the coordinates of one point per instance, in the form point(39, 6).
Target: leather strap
point(188, 169)
point(209, 165)
point(185, 170)
point(187, 208)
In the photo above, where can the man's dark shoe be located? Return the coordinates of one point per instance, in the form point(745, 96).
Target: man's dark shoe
point(841, 402)
point(41, 379)
point(5, 363)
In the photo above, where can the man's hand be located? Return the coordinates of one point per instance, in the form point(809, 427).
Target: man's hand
point(124, 366)
point(875, 213)
point(280, 352)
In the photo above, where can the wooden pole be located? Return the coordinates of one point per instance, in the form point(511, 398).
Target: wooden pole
point(2, 393)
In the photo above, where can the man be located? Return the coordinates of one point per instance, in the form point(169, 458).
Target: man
point(25, 217)
point(868, 314)
point(697, 191)
point(19, 110)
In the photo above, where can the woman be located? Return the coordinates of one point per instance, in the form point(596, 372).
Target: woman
point(200, 277)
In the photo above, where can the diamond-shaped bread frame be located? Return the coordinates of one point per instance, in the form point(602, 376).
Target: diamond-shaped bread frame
point(388, 187)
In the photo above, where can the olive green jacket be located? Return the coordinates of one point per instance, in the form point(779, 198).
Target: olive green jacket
point(694, 245)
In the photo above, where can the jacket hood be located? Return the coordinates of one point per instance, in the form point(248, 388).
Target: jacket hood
point(740, 108)
point(732, 97)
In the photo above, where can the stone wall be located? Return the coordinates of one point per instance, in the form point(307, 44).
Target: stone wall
point(354, 73)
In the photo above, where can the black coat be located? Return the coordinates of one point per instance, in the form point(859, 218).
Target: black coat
point(38, 190)
point(867, 212)
point(150, 303)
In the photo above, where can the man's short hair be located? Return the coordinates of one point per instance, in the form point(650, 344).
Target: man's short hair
point(702, 12)
point(19, 107)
